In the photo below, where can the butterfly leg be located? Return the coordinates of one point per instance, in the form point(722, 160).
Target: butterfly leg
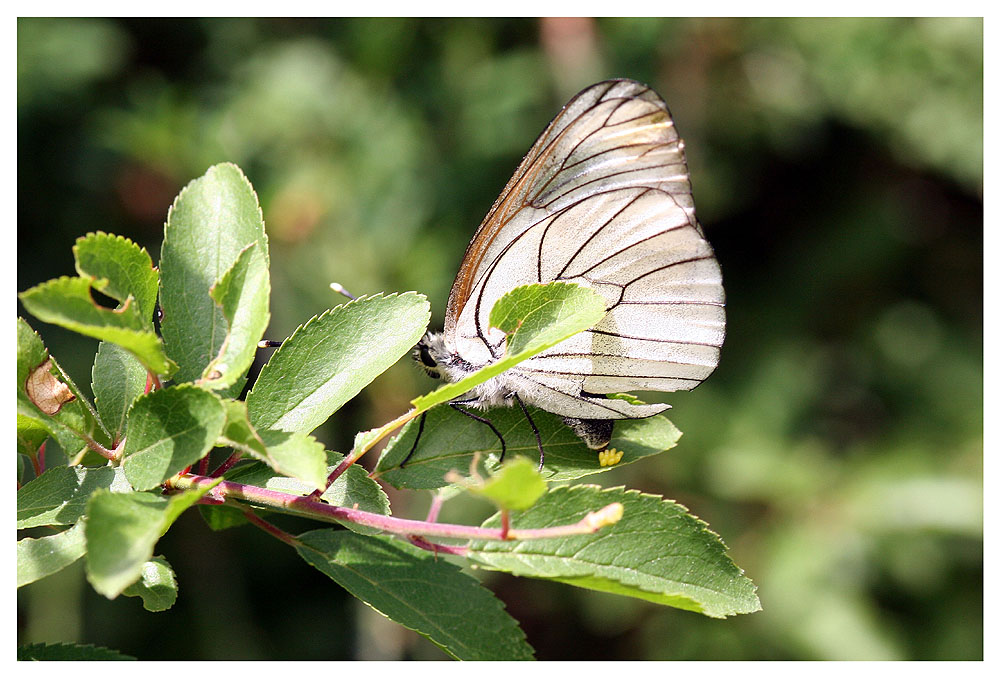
point(420, 431)
point(538, 436)
point(483, 420)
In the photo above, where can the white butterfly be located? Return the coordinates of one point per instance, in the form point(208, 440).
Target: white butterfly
point(602, 199)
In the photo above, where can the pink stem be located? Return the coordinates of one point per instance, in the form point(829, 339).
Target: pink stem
point(306, 506)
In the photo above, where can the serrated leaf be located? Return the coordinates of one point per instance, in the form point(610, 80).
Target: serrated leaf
point(292, 454)
point(450, 440)
point(67, 302)
point(157, 586)
point(38, 558)
point(75, 420)
point(121, 531)
point(118, 379)
point(212, 220)
point(536, 318)
point(243, 294)
point(59, 496)
point(119, 268)
point(327, 361)
point(657, 552)
point(40, 652)
point(169, 430)
point(423, 593)
point(516, 486)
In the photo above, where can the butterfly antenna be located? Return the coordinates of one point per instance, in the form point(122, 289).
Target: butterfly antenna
point(484, 420)
point(538, 436)
point(420, 431)
point(339, 289)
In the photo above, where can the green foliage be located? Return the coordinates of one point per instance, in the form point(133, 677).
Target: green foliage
point(157, 587)
point(147, 464)
point(334, 356)
point(515, 487)
point(213, 220)
point(434, 598)
point(691, 569)
point(169, 430)
point(38, 558)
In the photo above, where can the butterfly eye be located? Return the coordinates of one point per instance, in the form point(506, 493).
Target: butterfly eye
point(426, 359)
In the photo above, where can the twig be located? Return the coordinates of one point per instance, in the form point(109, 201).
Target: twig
point(318, 510)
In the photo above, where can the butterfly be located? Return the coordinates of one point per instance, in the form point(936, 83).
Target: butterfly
point(602, 199)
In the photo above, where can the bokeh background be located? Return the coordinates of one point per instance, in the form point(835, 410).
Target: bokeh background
point(838, 171)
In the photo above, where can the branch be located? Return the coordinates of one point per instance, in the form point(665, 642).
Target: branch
point(318, 510)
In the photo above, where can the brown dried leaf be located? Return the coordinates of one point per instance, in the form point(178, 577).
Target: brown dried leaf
point(45, 391)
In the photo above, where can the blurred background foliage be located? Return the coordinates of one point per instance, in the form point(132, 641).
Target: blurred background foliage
point(838, 170)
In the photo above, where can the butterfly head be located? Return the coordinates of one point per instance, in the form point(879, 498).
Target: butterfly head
point(438, 360)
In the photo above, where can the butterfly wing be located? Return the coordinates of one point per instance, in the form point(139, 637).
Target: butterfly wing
point(603, 199)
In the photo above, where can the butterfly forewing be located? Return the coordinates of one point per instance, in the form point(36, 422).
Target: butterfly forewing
point(603, 199)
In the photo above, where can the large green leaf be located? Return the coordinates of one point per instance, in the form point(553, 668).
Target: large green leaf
point(450, 440)
point(243, 293)
point(327, 361)
point(68, 302)
point(418, 590)
point(170, 429)
point(59, 496)
point(122, 530)
point(38, 558)
point(119, 268)
point(213, 219)
point(657, 552)
point(118, 379)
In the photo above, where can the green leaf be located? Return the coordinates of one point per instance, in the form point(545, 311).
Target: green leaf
point(450, 440)
point(60, 652)
point(38, 558)
point(169, 430)
point(157, 586)
point(293, 454)
point(119, 268)
point(59, 496)
point(657, 552)
point(118, 379)
point(46, 394)
point(516, 486)
point(535, 318)
point(220, 518)
point(67, 302)
point(327, 361)
point(213, 219)
point(423, 593)
point(122, 530)
point(31, 433)
point(243, 294)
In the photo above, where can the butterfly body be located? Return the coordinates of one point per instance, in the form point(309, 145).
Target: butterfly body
point(602, 199)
